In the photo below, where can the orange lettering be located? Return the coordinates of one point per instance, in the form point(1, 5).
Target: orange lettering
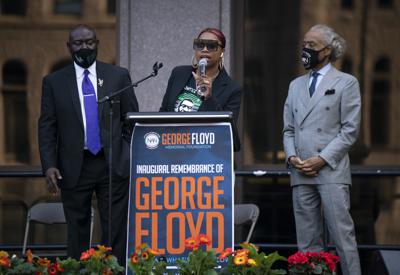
point(139, 204)
point(181, 232)
point(175, 193)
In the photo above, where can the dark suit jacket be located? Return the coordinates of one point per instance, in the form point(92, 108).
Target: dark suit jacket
point(60, 129)
point(226, 94)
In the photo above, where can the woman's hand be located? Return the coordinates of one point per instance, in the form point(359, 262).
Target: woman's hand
point(204, 83)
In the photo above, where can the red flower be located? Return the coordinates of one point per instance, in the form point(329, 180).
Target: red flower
point(54, 269)
point(191, 244)
point(228, 251)
point(87, 254)
point(134, 258)
point(204, 239)
point(5, 261)
point(107, 271)
point(29, 256)
point(242, 252)
point(312, 255)
point(297, 258)
point(330, 259)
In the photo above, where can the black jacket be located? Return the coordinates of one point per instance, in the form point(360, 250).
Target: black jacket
point(226, 94)
point(60, 128)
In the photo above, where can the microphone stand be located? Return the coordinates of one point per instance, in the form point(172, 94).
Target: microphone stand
point(110, 101)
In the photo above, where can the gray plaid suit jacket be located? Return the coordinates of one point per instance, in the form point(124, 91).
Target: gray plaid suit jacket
point(327, 124)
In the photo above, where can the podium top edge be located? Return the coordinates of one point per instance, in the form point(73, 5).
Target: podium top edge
point(172, 116)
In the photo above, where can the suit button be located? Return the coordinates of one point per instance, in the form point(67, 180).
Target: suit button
point(295, 110)
point(301, 129)
point(327, 108)
point(319, 130)
point(319, 150)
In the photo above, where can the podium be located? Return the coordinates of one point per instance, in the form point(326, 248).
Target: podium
point(181, 182)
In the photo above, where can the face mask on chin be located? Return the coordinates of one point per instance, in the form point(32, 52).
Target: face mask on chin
point(85, 57)
point(310, 57)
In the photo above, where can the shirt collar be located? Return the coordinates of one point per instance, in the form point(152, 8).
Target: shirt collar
point(79, 70)
point(324, 69)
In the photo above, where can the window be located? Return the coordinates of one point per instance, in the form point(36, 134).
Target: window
point(111, 7)
point(16, 135)
point(380, 103)
point(68, 7)
point(385, 4)
point(347, 4)
point(13, 7)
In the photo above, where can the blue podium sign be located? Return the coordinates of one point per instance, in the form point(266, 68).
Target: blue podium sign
point(182, 183)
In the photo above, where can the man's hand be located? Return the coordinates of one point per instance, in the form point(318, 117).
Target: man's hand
point(311, 166)
point(52, 177)
point(296, 162)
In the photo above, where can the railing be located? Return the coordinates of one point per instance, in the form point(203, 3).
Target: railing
point(272, 171)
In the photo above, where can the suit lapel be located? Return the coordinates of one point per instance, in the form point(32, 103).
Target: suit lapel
point(74, 93)
point(328, 81)
point(101, 81)
point(304, 91)
point(219, 83)
point(180, 84)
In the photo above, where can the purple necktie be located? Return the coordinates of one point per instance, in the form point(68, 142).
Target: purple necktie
point(93, 142)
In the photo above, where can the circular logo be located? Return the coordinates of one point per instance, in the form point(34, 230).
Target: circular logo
point(152, 140)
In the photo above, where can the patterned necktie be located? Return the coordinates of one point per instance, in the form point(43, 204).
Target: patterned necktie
point(93, 142)
point(314, 76)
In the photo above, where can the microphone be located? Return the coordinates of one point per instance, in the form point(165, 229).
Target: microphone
point(202, 70)
point(202, 66)
point(156, 67)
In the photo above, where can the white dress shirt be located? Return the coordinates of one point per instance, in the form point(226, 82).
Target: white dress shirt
point(321, 73)
point(79, 71)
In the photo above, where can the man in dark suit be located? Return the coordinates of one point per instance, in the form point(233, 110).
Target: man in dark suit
point(74, 142)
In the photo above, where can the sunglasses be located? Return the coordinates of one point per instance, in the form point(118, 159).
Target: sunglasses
point(212, 45)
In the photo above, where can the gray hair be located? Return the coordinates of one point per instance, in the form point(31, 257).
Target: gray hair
point(331, 38)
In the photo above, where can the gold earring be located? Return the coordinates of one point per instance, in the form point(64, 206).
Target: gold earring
point(221, 62)
point(194, 63)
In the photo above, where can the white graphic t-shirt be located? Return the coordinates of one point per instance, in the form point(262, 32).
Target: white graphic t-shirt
point(188, 100)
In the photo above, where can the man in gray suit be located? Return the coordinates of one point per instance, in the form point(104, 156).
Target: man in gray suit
point(322, 116)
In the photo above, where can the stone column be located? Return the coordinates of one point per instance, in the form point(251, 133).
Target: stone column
point(163, 30)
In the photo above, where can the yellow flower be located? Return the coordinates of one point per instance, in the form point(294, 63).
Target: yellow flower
point(252, 262)
point(141, 246)
point(145, 255)
point(242, 252)
point(3, 253)
point(104, 248)
point(154, 252)
point(240, 259)
point(43, 262)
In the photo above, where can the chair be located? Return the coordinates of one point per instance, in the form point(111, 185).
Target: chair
point(49, 213)
point(244, 214)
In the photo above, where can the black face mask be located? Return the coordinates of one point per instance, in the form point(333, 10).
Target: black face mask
point(309, 57)
point(85, 57)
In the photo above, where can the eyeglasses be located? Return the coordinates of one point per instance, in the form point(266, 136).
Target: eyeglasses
point(212, 45)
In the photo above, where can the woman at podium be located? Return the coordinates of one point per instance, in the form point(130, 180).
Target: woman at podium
point(205, 85)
